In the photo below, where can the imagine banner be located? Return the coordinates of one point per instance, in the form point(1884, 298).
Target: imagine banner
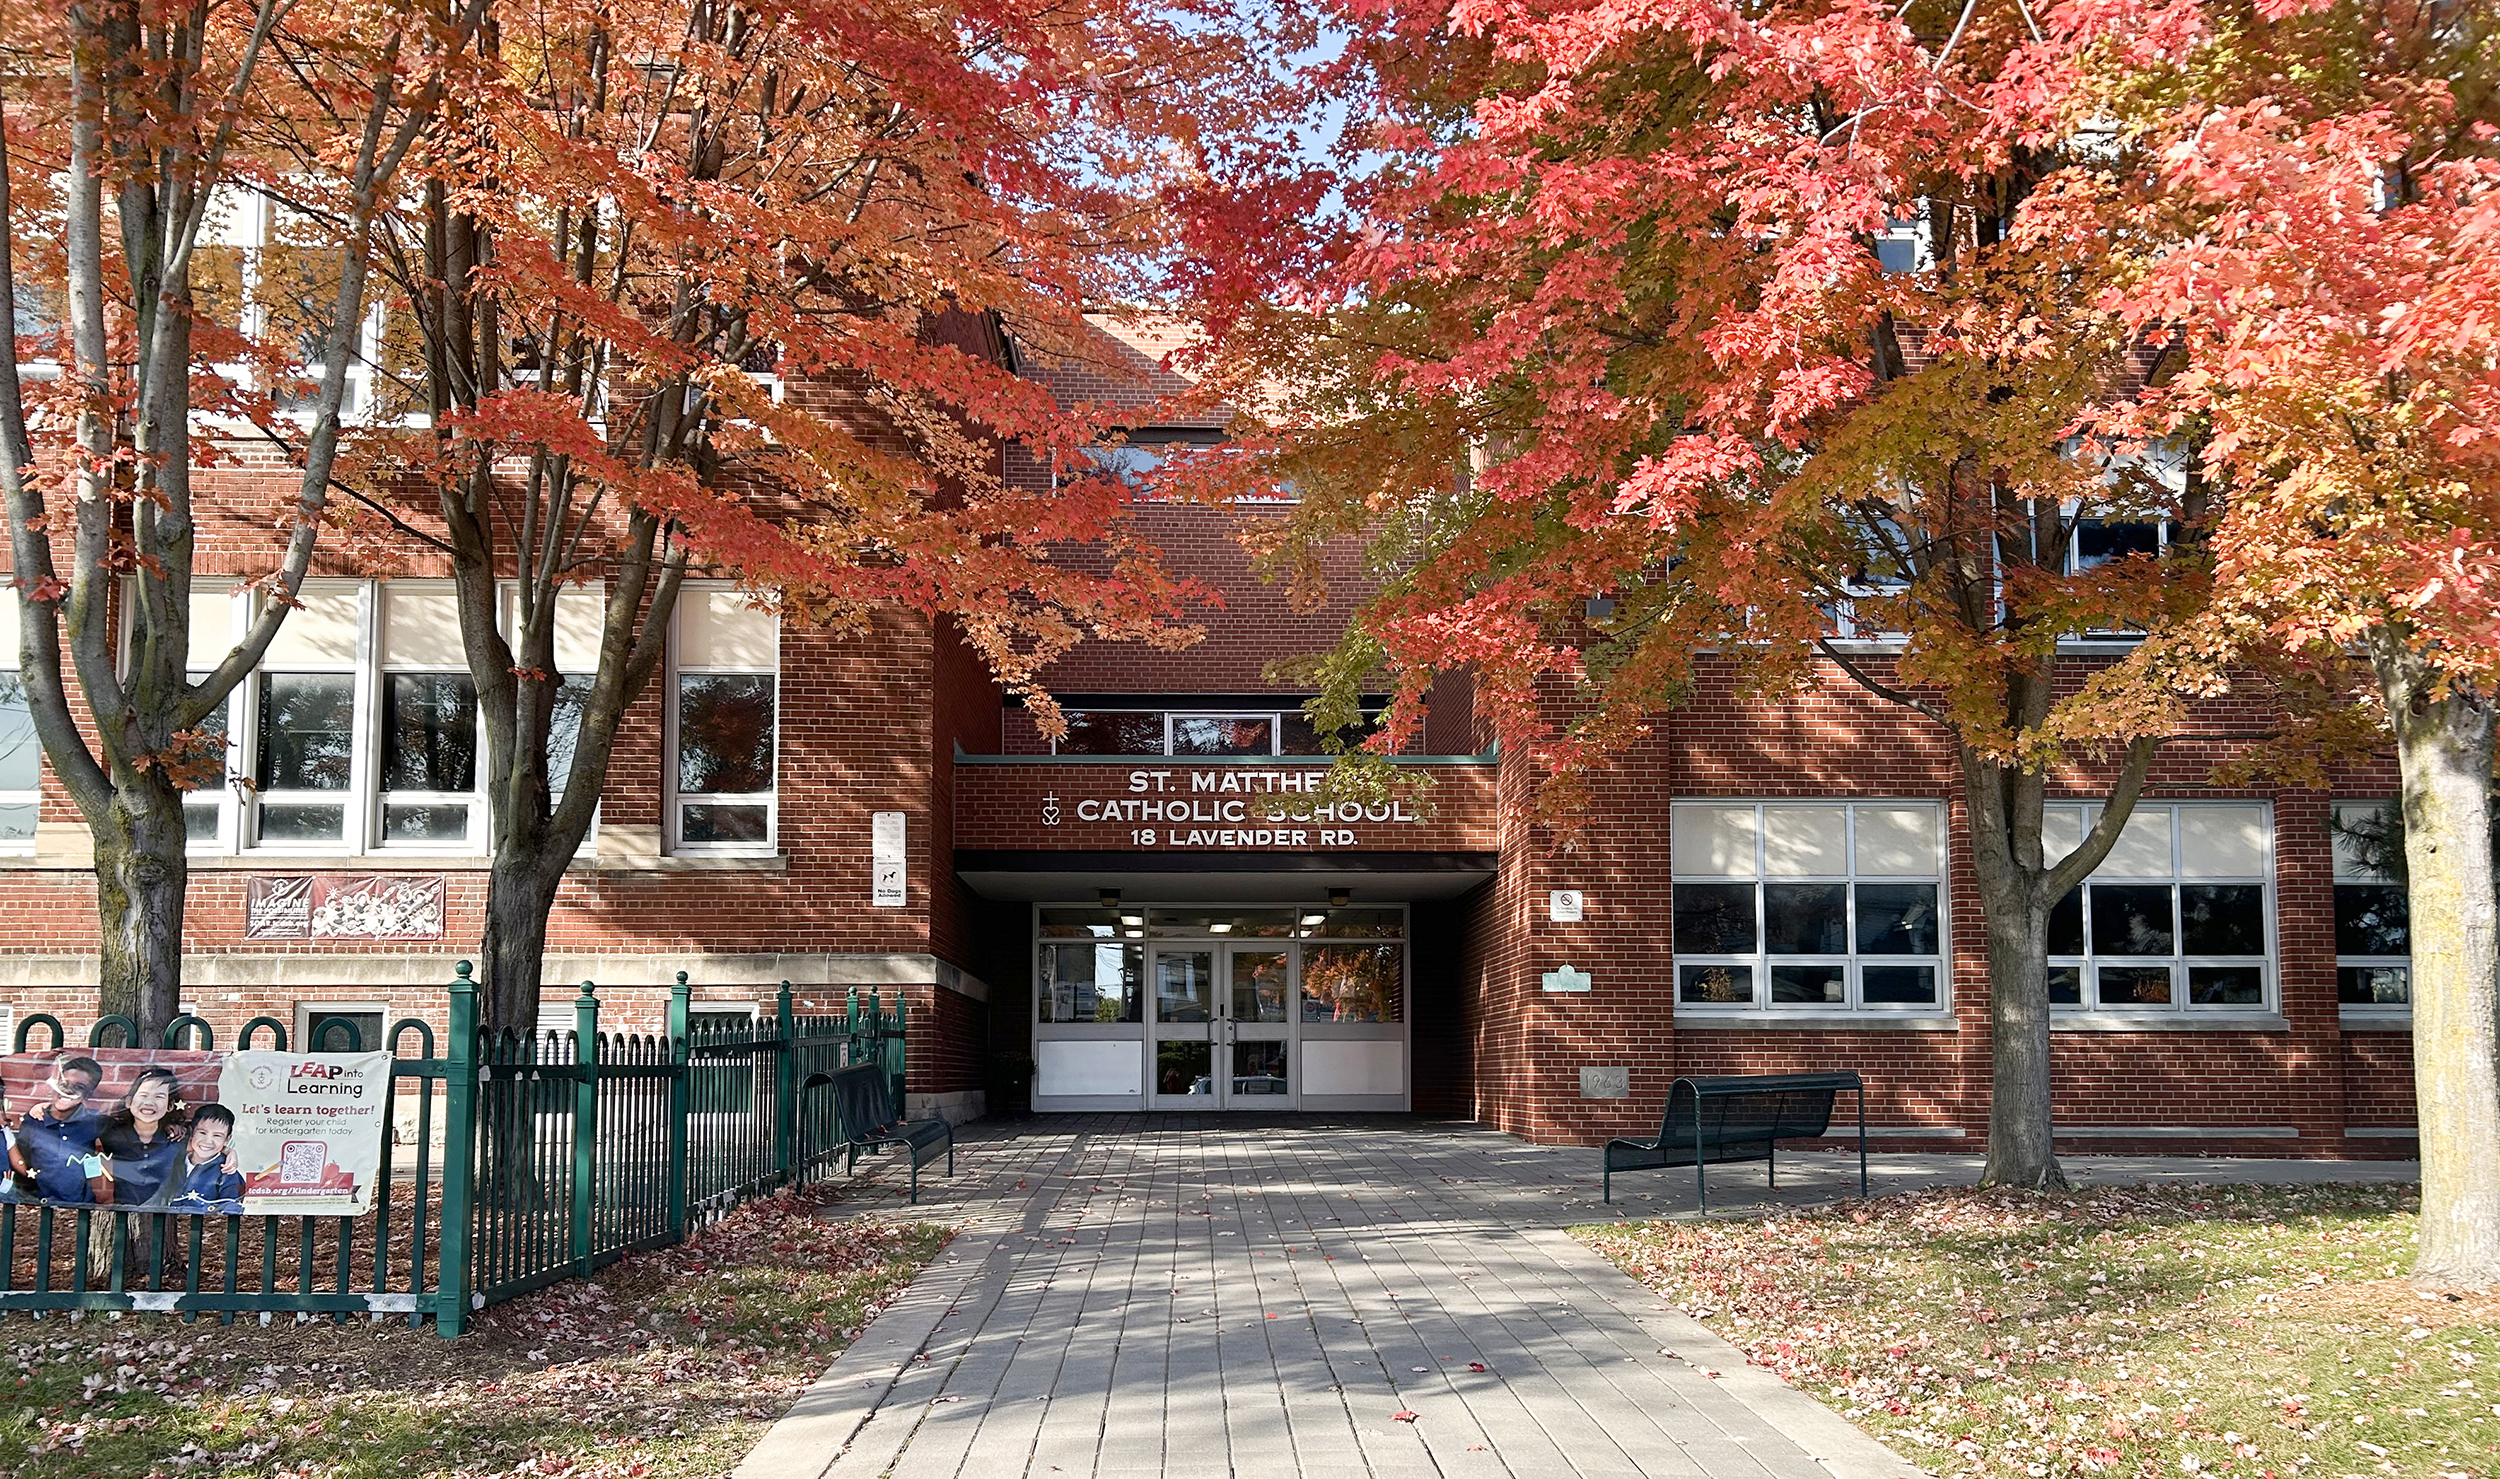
point(185, 1131)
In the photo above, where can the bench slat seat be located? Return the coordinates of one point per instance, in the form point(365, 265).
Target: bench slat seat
point(870, 1119)
point(1737, 1117)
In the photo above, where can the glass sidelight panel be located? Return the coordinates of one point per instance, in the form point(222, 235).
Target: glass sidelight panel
point(1260, 986)
point(1353, 983)
point(1259, 1070)
point(1184, 985)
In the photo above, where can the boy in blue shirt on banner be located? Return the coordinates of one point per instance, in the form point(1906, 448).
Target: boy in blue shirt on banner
point(54, 1153)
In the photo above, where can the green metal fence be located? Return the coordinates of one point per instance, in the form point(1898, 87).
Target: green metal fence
point(561, 1153)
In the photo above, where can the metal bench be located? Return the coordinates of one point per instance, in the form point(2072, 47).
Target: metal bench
point(1738, 1118)
point(871, 1120)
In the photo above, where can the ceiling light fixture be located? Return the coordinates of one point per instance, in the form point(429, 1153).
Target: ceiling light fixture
point(1110, 898)
point(1132, 919)
point(1337, 897)
point(1314, 919)
point(1220, 927)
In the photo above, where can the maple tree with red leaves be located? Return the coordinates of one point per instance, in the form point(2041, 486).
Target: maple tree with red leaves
point(1787, 333)
point(737, 291)
point(2330, 176)
point(128, 129)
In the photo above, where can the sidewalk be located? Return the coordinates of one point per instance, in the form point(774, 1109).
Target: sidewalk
point(1210, 1296)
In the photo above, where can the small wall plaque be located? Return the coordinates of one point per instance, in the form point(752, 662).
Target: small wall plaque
point(1565, 905)
point(1605, 1083)
point(1566, 979)
point(886, 859)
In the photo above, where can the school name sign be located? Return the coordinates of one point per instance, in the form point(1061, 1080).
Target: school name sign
point(1235, 807)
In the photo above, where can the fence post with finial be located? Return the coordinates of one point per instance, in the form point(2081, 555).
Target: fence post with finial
point(680, 1102)
point(453, 1275)
point(585, 1127)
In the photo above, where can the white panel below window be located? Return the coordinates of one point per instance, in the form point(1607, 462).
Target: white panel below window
point(1353, 1067)
point(1069, 1068)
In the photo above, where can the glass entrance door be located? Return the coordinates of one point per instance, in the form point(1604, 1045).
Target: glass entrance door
point(1222, 1027)
point(1259, 1025)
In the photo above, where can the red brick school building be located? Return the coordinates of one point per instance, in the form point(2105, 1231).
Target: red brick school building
point(1158, 913)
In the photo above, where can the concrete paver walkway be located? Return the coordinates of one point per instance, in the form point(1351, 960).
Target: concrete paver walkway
point(1203, 1296)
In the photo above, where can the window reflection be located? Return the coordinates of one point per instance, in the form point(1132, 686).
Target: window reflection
point(724, 733)
point(307, 731)
point(1353, 983)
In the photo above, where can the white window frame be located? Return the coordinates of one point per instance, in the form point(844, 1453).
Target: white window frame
point(25, 846)
point(226, 795)
point(1761, 1008)
point(675, 800)
point(2179, 961)
point(305, 1011)
point(357, 798)
point(248, 230)
point(2349, 871)
point(480, 829)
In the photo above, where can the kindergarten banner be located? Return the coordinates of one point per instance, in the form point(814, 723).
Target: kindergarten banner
point(184, 1131)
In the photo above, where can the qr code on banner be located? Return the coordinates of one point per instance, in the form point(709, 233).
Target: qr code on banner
point(301, 1162)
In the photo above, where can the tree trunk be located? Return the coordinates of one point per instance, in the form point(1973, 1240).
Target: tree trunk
point(2022, 1148)
point(2006, 854)
point(2444, 739)
point(141, 873)
point(520, 894)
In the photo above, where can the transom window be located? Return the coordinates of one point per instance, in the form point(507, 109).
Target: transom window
point(1093, 959)
point(1808, 906)
point(2178, 917)
point(2373, 926)
point(1106, 731)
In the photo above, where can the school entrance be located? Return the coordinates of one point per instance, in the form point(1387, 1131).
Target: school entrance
point(1216, 1006)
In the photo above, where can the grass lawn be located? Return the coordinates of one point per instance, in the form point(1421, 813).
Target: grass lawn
point(670, 1363)
point(2253, 1331)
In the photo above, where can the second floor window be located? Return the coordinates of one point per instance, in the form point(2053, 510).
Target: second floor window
point(1104, 731)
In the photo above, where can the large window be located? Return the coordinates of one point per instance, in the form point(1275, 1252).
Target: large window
point(2177, 918)
point(1804, 906)
point(2373, 928)
point(724, 723)
point(1109, 731)
point(21, 757)
point(360, 731)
